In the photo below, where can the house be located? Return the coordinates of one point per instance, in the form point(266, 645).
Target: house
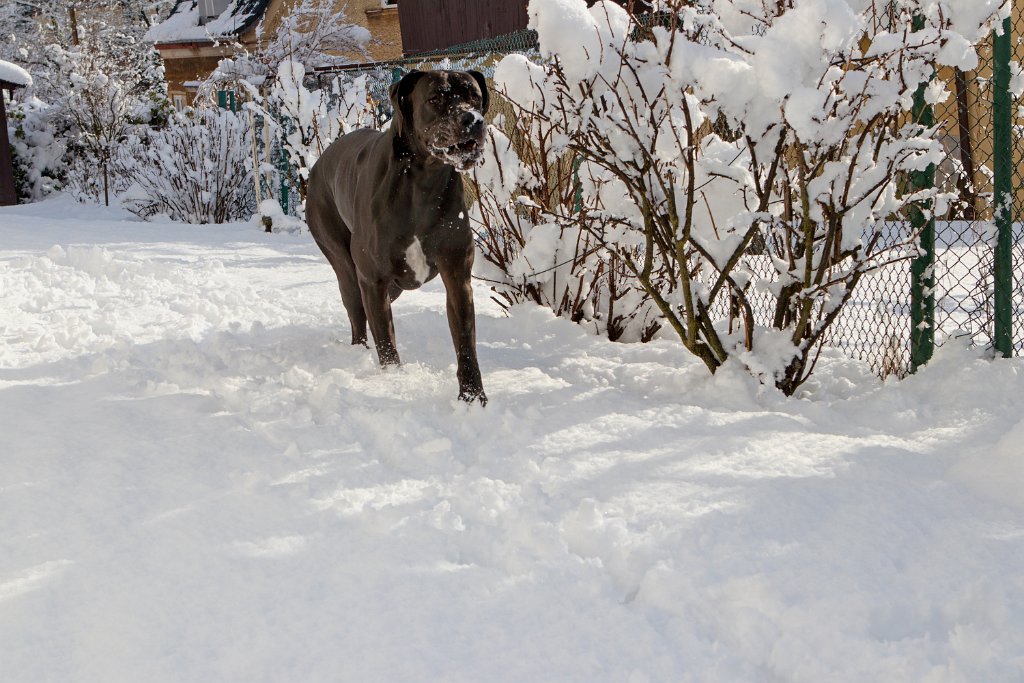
point(11, 76)
point(197, 34)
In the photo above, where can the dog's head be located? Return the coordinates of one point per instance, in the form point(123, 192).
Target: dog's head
point(441, 114)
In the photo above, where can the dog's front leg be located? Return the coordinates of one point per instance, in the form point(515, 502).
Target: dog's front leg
point(462, 323)
point(377, 305)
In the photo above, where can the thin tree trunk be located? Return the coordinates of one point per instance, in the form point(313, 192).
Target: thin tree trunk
point(73, 17)
point(966, 180)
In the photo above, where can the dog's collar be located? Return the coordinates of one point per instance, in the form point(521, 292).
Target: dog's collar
point(403, 150)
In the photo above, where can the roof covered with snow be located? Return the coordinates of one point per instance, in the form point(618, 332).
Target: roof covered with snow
point(12, 73)
point(183, 23)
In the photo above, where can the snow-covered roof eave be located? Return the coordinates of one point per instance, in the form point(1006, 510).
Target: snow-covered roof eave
point(14, 74)
point(183, 26)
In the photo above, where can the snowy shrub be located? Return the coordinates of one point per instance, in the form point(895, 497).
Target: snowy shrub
point(527, 255)
point(101, 113)
point(310, 120)
point(198, 169)
point(101, 89)
point(736, 151)
point(95, 81)
point(38, 145)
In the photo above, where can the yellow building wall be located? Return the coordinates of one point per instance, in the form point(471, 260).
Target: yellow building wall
point(196, 63)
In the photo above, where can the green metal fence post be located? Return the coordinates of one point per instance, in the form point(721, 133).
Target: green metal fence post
point(226, 100)
point(922, 269)
point(1002, 123)
point(283, 168)
point(282, 162)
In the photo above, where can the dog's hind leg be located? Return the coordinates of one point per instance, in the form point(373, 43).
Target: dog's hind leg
point(351, 297)
point(333, 237)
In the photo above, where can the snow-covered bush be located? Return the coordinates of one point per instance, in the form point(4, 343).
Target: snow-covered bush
point(732, 124)
point(39, 145)
point(94, 82)
point(309, 120)
point(291, 119)
point(522, 183)
point(198, 169)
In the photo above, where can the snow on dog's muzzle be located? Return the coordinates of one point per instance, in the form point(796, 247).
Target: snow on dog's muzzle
point(465, 149)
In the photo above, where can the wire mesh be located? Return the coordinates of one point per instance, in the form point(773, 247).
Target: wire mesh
point(966, 239)
point(964, 262)
point(876, 325)
point(482, 55)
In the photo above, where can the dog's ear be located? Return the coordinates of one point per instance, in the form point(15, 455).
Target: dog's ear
point(400, 104)
point(484, 93)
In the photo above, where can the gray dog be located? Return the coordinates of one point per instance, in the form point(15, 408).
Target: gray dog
point(387, 210)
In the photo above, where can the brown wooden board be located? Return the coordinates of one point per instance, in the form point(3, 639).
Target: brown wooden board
point(438, 24)
point(7, 194)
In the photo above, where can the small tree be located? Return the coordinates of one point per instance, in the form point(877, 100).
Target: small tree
point(101, 113)
point(94, 81)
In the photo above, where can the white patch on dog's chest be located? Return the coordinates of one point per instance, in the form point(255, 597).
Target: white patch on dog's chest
point(417, 261)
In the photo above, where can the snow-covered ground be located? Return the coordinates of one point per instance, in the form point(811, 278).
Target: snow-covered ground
point(199, 482)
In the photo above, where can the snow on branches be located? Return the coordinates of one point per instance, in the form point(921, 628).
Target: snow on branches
point(310, 120)
point(731, 150)
point(313, 33)
point(194, 170)
point(310, 34)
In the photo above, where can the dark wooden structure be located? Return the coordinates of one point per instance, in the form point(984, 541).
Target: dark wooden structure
point(7, 194)
point(429, 25)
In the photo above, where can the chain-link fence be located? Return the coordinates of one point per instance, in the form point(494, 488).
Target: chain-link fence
point(482, 55)
point(970, 280)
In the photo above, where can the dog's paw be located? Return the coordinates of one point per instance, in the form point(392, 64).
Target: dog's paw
point(473, 396)
point(469, 410)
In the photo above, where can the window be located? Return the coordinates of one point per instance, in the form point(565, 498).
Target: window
point(389, 3)
point(179, 102)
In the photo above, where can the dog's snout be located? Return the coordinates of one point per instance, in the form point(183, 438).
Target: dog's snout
point(471, 120)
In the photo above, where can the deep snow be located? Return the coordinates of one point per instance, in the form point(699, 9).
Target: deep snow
point(200, 482)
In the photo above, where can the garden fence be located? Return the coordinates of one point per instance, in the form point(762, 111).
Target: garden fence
point(968, 280)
